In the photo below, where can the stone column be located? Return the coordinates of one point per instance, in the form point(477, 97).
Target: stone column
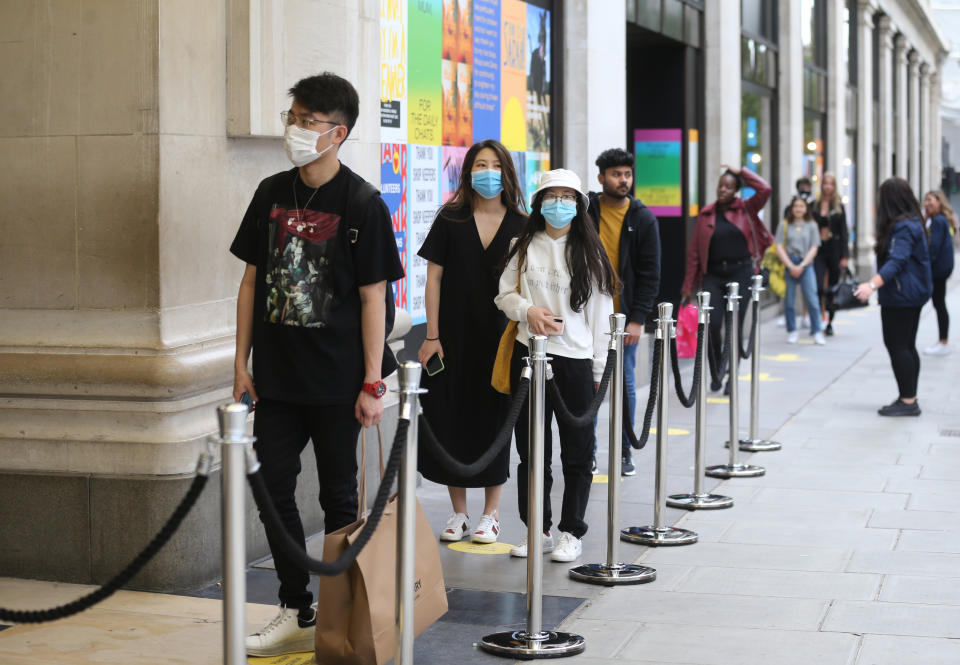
point(722, 82)
point(900, 62)
point(914, 121)
point(886, 129)
point(923, 120)
point(595, 88)
point(790, 87)
point(865, 186)
point(936, 131)
point(837, 79)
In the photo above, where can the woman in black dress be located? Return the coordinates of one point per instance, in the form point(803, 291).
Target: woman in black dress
point(834, 251)
point(465, 250)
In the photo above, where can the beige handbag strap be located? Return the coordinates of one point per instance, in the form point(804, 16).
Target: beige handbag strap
point(362, 485)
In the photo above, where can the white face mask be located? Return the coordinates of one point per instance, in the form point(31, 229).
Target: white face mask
point(301, 144)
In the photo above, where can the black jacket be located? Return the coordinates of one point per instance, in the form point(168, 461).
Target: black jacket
point(639, 268)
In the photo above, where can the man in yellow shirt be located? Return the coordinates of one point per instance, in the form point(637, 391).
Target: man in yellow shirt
point(630, 234)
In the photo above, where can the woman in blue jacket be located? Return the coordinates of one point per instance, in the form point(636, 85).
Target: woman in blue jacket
point(941, 221)
point(904, 282)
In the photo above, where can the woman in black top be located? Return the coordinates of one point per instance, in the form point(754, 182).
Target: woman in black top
point(465, 250)
point(834, 252)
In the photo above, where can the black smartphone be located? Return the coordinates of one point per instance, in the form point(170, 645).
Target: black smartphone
point(559, 321)
point(434, 365)
point(246, 399)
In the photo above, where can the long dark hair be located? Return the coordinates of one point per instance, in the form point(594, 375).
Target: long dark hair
point(585, 256)
point(895, 203)
point(807, 216)
point(460, 206)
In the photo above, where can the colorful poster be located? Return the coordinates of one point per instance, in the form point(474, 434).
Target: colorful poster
point(424, 72)
point(513, 74)
point(393, 71)
point(451, 163)
point(393, 189)
point(657, 173)
point(486, 69)
point(537, 163)
point(423, 193)
point(538, 79)
point(693, 172)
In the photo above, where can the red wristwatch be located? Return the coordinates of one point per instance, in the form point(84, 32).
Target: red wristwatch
point(377, 389)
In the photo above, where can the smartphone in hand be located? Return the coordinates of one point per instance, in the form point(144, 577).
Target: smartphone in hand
point(245, 398)
point(434, 365)
point(558, 321)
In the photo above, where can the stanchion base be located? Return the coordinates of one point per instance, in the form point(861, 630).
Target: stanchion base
point(665, 536)
point(735, 471)
point(758, 445)
point(616, 575)
point(524, 646)
point(699, 501)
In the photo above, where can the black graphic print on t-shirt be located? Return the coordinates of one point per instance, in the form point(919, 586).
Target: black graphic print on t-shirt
point(299, 274)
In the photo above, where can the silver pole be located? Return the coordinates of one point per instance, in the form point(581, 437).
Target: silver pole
point(755, 443)
point(409, 378)
point(658, 533)
point(618, 324)
point(613, 572)
point(534, 642)
point(699, 498)
point(538, 362)
point(232, 419)
point(733, 469)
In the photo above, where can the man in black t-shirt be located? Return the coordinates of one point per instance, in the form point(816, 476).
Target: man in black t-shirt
point(313, 308)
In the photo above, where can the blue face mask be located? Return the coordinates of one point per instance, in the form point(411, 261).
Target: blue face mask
point(559, 213)
point(486, 183)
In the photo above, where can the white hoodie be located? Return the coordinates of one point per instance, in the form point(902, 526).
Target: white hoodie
point(545, 282)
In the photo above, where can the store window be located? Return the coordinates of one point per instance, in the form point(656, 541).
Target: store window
point(813, 23)
point(758, 60)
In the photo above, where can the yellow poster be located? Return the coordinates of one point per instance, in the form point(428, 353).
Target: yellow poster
point(513, 74)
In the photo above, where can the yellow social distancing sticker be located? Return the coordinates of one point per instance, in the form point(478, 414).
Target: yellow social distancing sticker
point(673, 431)
point(785, 358)
point(286, 659)
point(602, 478)
point(718, 400)
point(468, 547)
point(764, 376)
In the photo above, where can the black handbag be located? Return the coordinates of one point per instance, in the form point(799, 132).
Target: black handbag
point(840, 295)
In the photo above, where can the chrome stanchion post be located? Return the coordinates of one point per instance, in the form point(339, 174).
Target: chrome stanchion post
point(733, 469)
point(613, 572)
point(236, 454)
point(754, 444)
point(659, 533)
point(409, 379)
point(699, 499)
point(534, 642)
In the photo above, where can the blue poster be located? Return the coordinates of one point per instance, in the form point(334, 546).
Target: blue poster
point(486, 69)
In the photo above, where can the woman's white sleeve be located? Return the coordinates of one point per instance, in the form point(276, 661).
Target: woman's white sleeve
point(598, 310)
point(508, 301)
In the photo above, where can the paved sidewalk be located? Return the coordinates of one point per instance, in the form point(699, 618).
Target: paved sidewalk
point(846, 552)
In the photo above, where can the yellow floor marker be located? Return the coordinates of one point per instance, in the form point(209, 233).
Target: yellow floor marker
point(764, 376)
point(718, 400)
point(785, 358)
point(673, 431)
point(468, 547)
point(602, 478)
point(285, 659)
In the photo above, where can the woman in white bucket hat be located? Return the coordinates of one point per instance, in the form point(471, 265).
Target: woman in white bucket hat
point(559, 282)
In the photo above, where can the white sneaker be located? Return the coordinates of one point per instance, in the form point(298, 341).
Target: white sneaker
point(792, 337)
point(457, 525)
point(521, 549)
point(568, 549)
point(487, 531)
point(285, 634)
point(818, 338)
point(937, 349)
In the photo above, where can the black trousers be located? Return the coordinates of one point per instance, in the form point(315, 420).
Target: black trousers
point(716, 285)
point(939, 299)
point(827, 264)
point(282, 430)
point(900, 337)
point(574, 378)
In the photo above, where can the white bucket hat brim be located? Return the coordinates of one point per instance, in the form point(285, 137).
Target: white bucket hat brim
point(562, 178)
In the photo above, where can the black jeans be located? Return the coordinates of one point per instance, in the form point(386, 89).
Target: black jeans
point(939, 299)
point(827, 264)
point(282, 430)
point(574, 378)
point(900, 337)
point(716, 285)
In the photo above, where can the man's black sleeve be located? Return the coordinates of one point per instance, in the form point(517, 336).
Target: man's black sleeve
point(375, 253)
point(646, 266)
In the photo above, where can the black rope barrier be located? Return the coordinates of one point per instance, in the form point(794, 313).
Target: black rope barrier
point(639, 442)
point(124, 576)
point(745, 353)
point(432, 445)
point(560, 408)
point(294, 551)
point(691, 399)
point(717, 373)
